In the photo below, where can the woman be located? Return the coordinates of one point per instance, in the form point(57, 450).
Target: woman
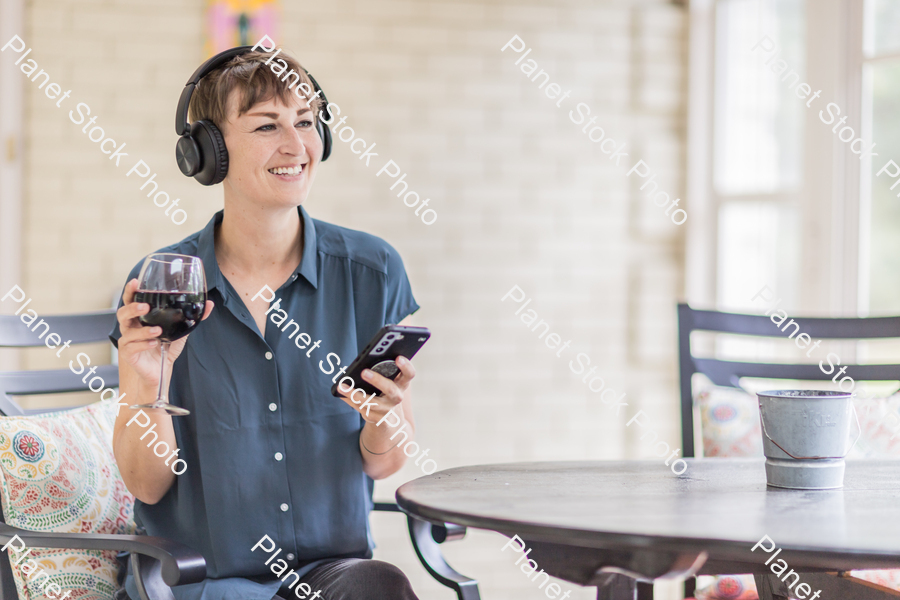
point(271, 455)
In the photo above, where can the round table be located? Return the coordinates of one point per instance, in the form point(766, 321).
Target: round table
point(587, 520)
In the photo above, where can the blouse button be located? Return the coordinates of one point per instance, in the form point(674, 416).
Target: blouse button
point(268, 356)
point(284, 508)
point(279, 456)
point(290, 556)
point(273, 407)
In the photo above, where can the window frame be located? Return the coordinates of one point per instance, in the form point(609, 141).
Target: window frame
point(12, 128)
point(831, 210)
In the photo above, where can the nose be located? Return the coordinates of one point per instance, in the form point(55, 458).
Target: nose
point(292, 142)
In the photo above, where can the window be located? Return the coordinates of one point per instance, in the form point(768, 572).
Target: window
point(757, 165)
point(880, 227)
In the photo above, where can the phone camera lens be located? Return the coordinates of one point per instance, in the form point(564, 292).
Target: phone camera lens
point(390, 336)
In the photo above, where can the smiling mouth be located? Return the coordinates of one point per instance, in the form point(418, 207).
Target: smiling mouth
point(287, 171)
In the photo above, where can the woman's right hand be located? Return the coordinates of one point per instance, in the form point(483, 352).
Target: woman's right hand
point(139, 346)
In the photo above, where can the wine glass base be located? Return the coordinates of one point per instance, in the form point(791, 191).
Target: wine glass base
point(175, 411)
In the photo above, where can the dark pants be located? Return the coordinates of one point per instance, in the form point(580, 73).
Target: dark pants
point(354, 579)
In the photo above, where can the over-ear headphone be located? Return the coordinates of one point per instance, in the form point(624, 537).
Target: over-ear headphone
point(201, 151)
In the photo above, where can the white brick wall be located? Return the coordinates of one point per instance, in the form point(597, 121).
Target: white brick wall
point(523, 198)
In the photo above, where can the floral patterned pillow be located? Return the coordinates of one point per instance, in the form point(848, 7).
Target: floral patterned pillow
point(58, 473)
point(879, 419)
point(729, 421)
point(726, 587)
point(888, 579)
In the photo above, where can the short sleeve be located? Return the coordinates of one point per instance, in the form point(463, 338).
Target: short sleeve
point(115, 334)
point(400, 302)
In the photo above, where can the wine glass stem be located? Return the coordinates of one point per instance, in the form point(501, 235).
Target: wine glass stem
point(163, 395)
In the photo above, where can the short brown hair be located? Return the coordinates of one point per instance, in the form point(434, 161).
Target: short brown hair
point(256, 81)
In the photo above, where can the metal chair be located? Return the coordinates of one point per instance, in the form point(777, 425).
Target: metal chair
point(728, 373)
point(80, 329)
point(157, 563)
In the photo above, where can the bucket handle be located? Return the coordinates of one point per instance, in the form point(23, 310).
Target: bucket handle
point(858, 435)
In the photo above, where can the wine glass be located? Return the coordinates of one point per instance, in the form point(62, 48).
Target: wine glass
point(174, 285)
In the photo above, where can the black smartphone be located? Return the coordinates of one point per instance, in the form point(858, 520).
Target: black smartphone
point(390, 342)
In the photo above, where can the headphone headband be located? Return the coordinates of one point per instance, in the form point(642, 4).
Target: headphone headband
point(182, 126)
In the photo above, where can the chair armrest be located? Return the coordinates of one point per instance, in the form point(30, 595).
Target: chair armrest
point(178, 564)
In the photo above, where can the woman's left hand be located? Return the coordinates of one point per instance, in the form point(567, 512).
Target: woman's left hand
point(393, 393)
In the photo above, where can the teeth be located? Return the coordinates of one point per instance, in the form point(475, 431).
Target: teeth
point(287, 170)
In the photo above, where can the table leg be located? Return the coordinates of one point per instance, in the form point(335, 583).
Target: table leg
point(644, 590)
point(770, 587)
point(614, 586)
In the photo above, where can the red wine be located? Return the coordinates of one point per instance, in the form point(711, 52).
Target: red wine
point(176, 312)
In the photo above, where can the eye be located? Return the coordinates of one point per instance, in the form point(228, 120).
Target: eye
point(267, 127)
point(304, 124)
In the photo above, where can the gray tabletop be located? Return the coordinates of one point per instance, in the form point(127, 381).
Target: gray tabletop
point(719, 508)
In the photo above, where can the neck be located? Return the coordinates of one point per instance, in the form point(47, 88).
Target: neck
point(251, 240)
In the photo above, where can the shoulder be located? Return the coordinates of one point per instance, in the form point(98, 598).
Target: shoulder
point(358, 247)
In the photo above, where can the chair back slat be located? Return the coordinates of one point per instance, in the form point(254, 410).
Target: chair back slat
point(816, 327)
point(80, 329)
point(9, 408)
point(21, 383)
point(728, 373)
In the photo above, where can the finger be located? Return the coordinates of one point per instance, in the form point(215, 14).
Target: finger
point(127, 316)
point(357, 404)
point(140, 334)
point(352, 396)
point(135, 348)
point(407, 372)
point(344, 391)
point(209, 307)
point(387, 387)
point(131, 309)
point(129, 312)
point(129, 291)
point(347, 398)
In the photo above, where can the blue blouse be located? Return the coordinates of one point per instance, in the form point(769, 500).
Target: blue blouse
point(269, 450)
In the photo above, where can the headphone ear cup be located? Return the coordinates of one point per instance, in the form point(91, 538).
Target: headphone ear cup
point(213, 164)
point(187, 155)
point(325, 134)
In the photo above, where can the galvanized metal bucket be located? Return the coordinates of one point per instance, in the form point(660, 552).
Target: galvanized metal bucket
point(805, 437)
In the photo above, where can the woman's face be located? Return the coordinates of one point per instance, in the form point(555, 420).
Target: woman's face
point(273, 151)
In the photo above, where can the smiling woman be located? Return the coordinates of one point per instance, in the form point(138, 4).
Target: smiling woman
point(262, 420)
